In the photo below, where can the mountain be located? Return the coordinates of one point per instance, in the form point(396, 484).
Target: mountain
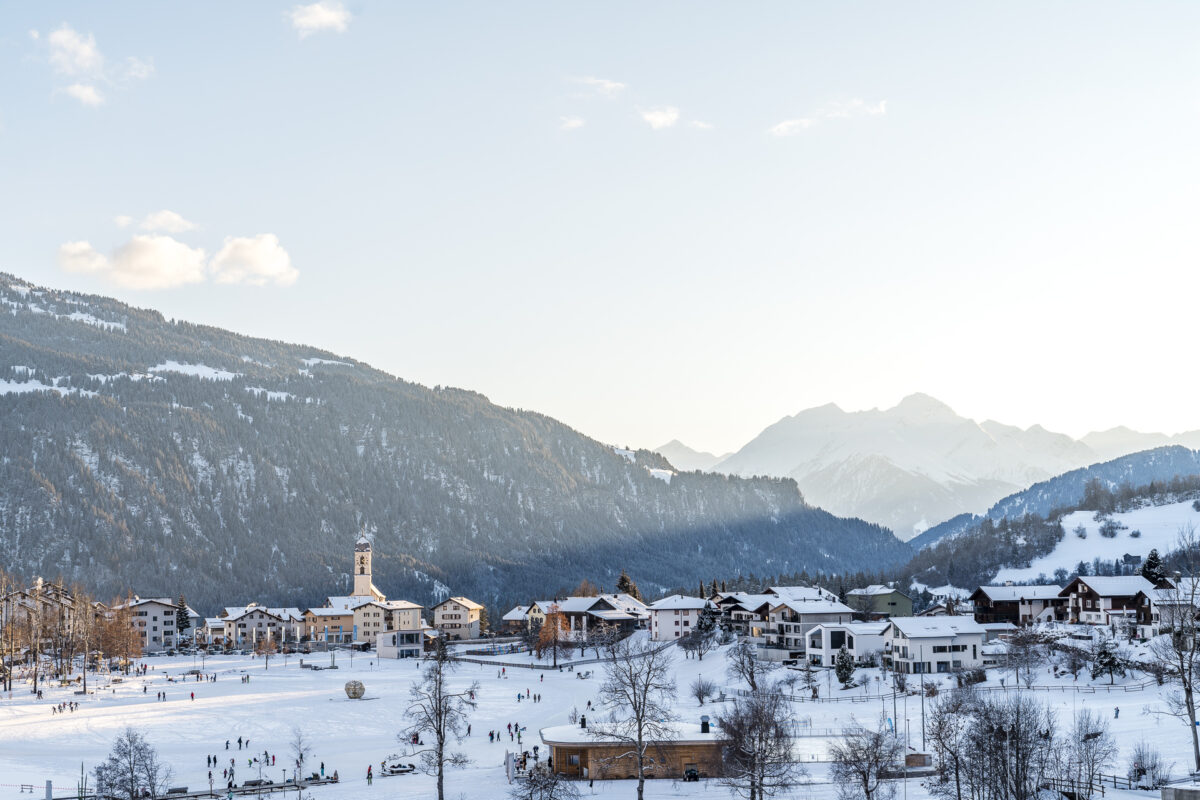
point(685, 458)
point(1158, 466)
point(1121, 441)
point(906, 467)
point(162, 457)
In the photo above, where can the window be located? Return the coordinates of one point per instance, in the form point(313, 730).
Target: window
point(573, 759)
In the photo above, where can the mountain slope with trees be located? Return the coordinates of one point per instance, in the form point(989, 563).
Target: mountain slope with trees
point(164, 457)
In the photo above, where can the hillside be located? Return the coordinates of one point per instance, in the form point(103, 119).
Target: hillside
point(685, 458)
point(1139, 469)
point(164, 457)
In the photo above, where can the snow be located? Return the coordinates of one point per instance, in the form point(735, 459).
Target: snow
point(88, 319)
point(1159, 525)
point(313, 361)
point(663, 475)
point(259, 391)
point(628, 455)
point(12, 387)
point(36, 745)
point(196, 370)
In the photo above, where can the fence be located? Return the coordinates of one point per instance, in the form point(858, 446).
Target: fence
point(529, 665)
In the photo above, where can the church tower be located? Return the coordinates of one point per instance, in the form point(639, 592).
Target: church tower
point(362, 569)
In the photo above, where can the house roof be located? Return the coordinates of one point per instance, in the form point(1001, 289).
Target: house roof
point(802, 593)
point(1012, 594)
point(679, 602)
point(241, 612)
point(875, 589)
point(861, 628)
point(399, 605)
point(751, 602)
point(814, 606)
point(628, 603)
point(517, 614)
point(471, 604)
point(1111, 586)
point(678, 733)
point(933, 627)
point(329, 612)
point(350, 602)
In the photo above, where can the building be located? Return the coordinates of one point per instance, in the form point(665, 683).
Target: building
point(746, 614)
point(864, 641)
point(880, 602)
point(580, 614)
point(922, 645)
point(329, 625)
point(1175, 601)
point(516, 620)
point(676, 616)
point(362, 571)
point(1019, 604)
point(400, 644)
point(155, 620)
point(588, 753)
point(1104, 600)
point(793, 616)
point(458, 617)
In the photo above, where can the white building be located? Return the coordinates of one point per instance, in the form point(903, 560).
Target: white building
point(458, 617)
point(154, 618)
point(863, 640)
point(792, 617)
point(675, 616)
point(400, 644)
point(920, 645)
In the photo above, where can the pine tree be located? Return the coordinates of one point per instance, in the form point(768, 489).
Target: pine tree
point(701, 593)
point(714, 587)
point(1152, 568)
point(843, 667)
point(484, 624)
point(1106, 659)
point(182, 620)
point(625, 585)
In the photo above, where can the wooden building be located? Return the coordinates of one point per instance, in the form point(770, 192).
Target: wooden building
point(581, 752)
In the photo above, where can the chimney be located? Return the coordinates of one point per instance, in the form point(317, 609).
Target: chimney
point(583, 721)
point(704, 723)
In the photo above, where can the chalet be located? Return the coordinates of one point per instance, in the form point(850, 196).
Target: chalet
point(156, 620)
point(745, 614)
point(864, 641)
point(1104, 600)
point(458, 617)
point(1019, 604)
point(1174, 603)
point(583, 613)
point(516, 620)
point(676, 616)
point(880, 602)
point(921, 645)
point(578, 751)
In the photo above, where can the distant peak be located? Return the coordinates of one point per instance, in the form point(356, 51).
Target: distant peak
point(827, 409)
point(922, 404)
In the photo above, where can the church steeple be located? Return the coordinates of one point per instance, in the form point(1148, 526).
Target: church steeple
point(362, 568)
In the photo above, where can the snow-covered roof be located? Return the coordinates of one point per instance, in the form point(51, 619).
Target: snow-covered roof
point(858, 628)
point(351, 602)
point(141, 601)
point(802, 607)
point(1012, 594)
point(612, 615)
point(241, 612)
point(517, 614)
point(678, 733)
point(1114, 585)
point(214, 622)
point(931, 627)
point(462, 601)
point(873, 590)
point(400, 605)
point(752, 602)
point(289, 613)
point(679, 602)
point(627, 602)
point(998, 627)
point(802, 593)
point(329, 612)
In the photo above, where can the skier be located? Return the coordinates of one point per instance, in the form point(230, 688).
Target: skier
point(1116, 713)
point(370, 777)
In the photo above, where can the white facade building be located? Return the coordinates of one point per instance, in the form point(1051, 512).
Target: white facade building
point(922, 645)
point(863, 640)
point(675, 616)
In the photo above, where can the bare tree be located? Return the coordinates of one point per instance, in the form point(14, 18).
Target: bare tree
point(1178, 646)
point(553, 637)
point(1090, 749)
point(860, 761)
point(435, 709)
point(542, 784)
point(132, 770)
point(949, 724)
point(745, 664)
point(301, 747)
point(603, 636)
point(1147, 768)
point(1026, 652)
point(637, 692)
point(702, 689)
point(757, 757)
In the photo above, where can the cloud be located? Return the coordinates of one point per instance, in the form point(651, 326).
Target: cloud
point(570, 123)
point(789, 127)
point(701, 125)
point(85, 93)
point(327, 15)
point(72, 53)
point(164, 220)
point(80, 257)
point(144, 262)
point(659, 118)
point(123, 221)
point(839, 109)
point(256, 260)
point(602, 86)
point(136, 69)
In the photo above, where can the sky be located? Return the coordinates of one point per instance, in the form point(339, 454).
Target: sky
point(649, 220)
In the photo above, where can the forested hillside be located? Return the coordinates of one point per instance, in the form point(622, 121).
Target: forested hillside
point(166, 457)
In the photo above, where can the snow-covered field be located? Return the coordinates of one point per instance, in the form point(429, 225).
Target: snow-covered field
point(1159, 526)
point(36, 745)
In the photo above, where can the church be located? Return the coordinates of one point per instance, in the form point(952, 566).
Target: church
point(363, 587)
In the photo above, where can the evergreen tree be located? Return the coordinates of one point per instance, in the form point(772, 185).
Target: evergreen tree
point(484, 623)
point(1152, 568)
point(1107, 659)
point(182, 620)
point(625, 585)
point(843, 667)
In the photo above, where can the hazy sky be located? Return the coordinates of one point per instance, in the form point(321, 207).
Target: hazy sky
point(650, 220)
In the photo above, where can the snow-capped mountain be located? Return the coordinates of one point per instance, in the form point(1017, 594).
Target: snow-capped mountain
point(907, 467)
point(158, 456)
point(685, 458)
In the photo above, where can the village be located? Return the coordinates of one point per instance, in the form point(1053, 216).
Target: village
point(834, 668)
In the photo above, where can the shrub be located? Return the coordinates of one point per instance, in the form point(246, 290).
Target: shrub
point(1081, 532)
point(1135, 534)
point(1110, 528)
